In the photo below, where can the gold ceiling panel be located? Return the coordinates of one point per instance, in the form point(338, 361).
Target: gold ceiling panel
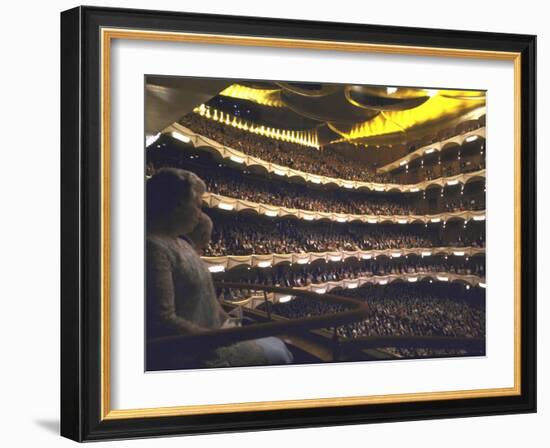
point(265, 97)
point(441, 105)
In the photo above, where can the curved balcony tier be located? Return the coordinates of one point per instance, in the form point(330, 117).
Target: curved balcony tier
point(457, 140)
point(321, 288)
point(213, 200)
point(226, 262)
point(187, 136)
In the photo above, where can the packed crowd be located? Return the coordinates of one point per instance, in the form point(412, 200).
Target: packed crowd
point(293, 277)
point(233, 183)
point(326, 162)
point(465, 204)
point(233, 235)
point(448, 169)
point(404, 310)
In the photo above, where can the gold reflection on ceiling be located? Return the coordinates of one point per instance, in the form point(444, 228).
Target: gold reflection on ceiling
point(441, 104)
point(265, 97)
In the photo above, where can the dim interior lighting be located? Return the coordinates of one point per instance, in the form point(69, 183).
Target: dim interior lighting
point(391, 90)
point(396, 254)
point(335, 257)
point(435, 220)
point(341, 219)
point(372, 221)
point(471, 138)
point(366, 256)
point(429, 150)
point(402, 221)
point(270, 213)
point(225, 206)
point(348, 185)
point(315, 180)
point(302, 261)
point(443, 279)
point(279, 172)
point(482, 285)
point(285, 299)
point(150, 139)
point(426, 254)
point(459, 253)
point(321, 290)
point(216, 268)
point(379, 188)
point(452, 182)
point(383, 282)
point(309, 217)
point(352, 285)
point(415, 189)
point(479, 218)
point(264, 264)
point(412, 279)
point(180, 137)
point(236, 159)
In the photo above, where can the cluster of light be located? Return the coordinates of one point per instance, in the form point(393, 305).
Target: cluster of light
point(304, 138)
point(225, 206)
point(285, 299)
point(150, 139)
point(264, 264)
point(412, 279)
point(321, 290)
point(443, 279)
point(216, 268)
point(181, 137)
point(236, 159)
point(302, 261)
point(271, 213)
point(265, 97)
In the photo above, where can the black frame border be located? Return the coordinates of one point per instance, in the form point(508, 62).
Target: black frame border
point(81, 223)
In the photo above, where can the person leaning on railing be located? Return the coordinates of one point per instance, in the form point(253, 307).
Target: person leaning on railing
point(181, 299)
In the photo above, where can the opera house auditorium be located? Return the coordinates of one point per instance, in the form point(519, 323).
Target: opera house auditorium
point(299, 223)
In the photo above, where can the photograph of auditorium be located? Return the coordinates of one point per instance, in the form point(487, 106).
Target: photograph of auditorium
point(301, 223)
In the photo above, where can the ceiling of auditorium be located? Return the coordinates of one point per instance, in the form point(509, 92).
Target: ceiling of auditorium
point(363, 115)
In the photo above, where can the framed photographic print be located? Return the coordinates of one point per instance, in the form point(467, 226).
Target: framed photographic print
point(275, 223)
